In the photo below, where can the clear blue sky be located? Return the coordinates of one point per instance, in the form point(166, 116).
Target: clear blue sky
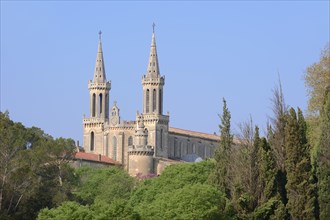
point(206, 50)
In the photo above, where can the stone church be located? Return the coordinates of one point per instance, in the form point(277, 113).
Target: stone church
point(148, 144)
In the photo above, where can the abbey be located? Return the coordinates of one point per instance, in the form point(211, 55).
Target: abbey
point(148, 144)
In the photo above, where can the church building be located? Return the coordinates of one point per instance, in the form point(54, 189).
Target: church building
point(148, 144)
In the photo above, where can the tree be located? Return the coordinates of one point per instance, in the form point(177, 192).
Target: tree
point(106, 184)
point(277, 138)
point(317, 78)
point(34, 170)
point(267, 172)
point(299, 187)
point(323, 160)
point(220, 176)
point(197, 201)
point(280, 111)
point(100, 194)
point(67, 211)
point(181, 192)
point(244, 170)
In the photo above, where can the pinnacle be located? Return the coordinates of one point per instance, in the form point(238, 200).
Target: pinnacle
point(99, 71)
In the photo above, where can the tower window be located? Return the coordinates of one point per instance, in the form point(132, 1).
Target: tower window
point(93, 104)
point(147, 101)
point(92, 141)
point(154, 100)
point(160, 102)
point(114, 148)
point(100, 103)
point(130, 141)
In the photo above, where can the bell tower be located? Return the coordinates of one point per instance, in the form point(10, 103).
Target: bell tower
point(153, 90)
point(99, 90)
point(153, 83)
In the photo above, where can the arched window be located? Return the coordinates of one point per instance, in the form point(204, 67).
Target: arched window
point(92, 141)
point(93, 104)
point(146, 131)
point(114, 148)
point(161, 138)
point(193, 148)
point(175, 148)
point(106, 105)
point(106, 146)
point(130, 141)
point(160, 102)
point(189, 146)
point(147, 101)
point(100, 103)
point(179, 149)
point(154, 100)
point(201, 150)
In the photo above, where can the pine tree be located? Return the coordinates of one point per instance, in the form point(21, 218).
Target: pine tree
point(323, 160)
point(300, 190)
point(222, 153)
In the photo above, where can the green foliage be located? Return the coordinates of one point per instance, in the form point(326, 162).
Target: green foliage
point(106, 184)
point(67, 211)
point(323, 160)
point(100, 194)
point(221, 155)
point(34, 169)
point(300, 189)
point(197, 201)
point(267, 172)
point(317, 78)
point(276, 132)
point(271, 209)
point(181, 192)
point(173, 177)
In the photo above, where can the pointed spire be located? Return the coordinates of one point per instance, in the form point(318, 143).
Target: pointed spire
point(153, 67)
point(99, 71)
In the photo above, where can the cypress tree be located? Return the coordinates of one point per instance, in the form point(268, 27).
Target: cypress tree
point(267, 171)
point(254, 166)
point(299, 187)
point(323, 161)
point(222, 153)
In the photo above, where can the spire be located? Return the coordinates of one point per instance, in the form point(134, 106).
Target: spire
point(153, 67)
point(99, 71)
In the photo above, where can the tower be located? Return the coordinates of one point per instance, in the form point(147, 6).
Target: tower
point(99, 89)
point(140, 153)
point(153, 90)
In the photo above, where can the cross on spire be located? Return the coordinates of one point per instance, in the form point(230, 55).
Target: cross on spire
point(100, 33)
point(153, 27)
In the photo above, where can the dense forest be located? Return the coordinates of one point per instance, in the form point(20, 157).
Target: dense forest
point(284, 174)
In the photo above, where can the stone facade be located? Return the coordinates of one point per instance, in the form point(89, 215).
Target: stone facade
point(148, 144)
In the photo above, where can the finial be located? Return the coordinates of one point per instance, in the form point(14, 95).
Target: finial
point(100, 33)
point(153, 27)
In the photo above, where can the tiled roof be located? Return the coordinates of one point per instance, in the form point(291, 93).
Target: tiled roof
point(180, 131)
point(95, 158)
